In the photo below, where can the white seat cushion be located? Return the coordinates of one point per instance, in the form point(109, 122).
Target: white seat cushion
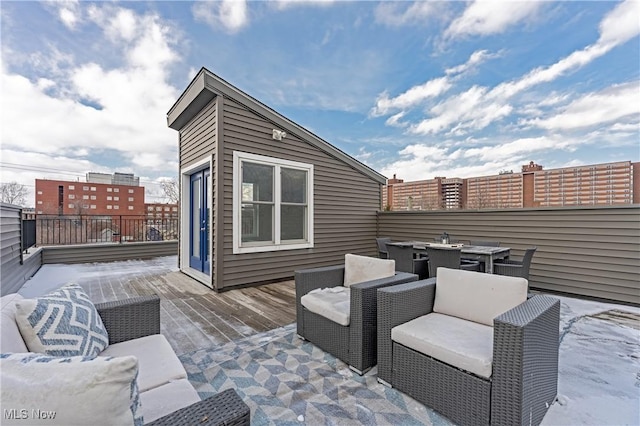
point(358, 269)
point(476, 296)
point(158, 364)
point(166, 399)
point(333, 303)
point(10, 338)
point(454, 341)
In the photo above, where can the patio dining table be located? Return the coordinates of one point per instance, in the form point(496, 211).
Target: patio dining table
point(480, 253)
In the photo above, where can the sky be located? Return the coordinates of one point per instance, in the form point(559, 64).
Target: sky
point(416, 89)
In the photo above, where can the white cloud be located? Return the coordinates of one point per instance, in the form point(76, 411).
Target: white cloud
point(396, 14)
point(621, 24)
point(617, 103)
point(287, 4)
point(92, 108)
point(229, 15)
point(68, 12)
point(491, 17)
point(410, 98)
point(476, 58)
point(479, 107)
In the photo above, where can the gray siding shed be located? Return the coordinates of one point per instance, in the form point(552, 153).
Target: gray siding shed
point(230, 120)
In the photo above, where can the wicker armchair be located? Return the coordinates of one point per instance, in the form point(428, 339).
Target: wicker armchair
point(403, 255)
point(381, 242)
point(140, 316)
point(448, 258)
point(515, 268)
point(356, 342)
point(524, 367)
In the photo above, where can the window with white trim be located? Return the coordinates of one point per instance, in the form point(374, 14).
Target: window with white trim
point(272, 204)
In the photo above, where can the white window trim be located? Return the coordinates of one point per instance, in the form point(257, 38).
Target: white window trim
point(237, 210)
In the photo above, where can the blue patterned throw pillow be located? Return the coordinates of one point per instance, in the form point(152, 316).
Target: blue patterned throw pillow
point(62, 323)
point(69, 390)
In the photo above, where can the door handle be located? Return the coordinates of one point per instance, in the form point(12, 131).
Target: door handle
point(202, 229)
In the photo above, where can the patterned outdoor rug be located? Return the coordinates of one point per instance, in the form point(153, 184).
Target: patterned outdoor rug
point(285, 380)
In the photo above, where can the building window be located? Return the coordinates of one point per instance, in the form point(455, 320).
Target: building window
point(72, 197)
point(150, 208)
point(85, 188)
point(71, 187)
point(93, 206)
point(158, 209)
point(116, 207)
point(39, 201)
point(109, 189)
point(93, 188)
point(39, 192)
point(39, 211)
point(273, 204)
point(116, 189)
point(175, 209)
point(85, 197)
point(85, 206)
point(109, 198)
point(166, 209)
point(109, 207)
point(130, 198)
point(93, 197)
point(70, 206)
point(130, 207)
point(116, 198)
point(130, 191)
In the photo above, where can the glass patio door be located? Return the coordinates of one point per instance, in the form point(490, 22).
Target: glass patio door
point(199, 256)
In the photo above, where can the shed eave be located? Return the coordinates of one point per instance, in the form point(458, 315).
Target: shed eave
point(206, 85)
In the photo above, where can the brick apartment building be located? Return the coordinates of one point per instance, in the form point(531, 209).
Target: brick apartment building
point(159, 211)
point(600, 184)
point(97, 196)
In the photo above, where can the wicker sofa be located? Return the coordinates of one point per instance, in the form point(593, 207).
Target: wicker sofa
point(516, 380)
point(353, 341)
point(167, 397)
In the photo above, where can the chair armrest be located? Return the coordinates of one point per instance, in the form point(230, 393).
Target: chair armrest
point(224, 408)
point(396, 305)
point(525, 361)
point(506, 262)
point(363, 331)
point(311, 279)
point(131, 318)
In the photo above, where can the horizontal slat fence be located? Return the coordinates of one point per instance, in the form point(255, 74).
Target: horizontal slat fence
point(584, 251)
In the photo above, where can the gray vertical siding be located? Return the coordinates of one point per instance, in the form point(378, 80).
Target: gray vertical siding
point(198, 137)
point(14, 272)
point(584, 251)
point(345, 203)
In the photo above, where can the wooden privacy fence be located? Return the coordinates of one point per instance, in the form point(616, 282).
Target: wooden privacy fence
point(590, 251)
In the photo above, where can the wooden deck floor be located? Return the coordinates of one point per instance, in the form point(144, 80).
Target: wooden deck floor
point(195, 317)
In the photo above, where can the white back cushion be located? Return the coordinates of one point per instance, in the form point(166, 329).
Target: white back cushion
point(454, 341)
point(10, 338)
point(79, 390)
point(476, 296)
point(358, 269)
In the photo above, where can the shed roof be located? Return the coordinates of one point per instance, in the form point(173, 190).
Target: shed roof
point(206, 86)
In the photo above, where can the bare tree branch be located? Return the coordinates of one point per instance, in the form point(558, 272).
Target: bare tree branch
point(13, 193)
point(170, 189)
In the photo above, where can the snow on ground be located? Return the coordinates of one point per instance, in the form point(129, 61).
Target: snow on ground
point(53, 276)
point(599, 364)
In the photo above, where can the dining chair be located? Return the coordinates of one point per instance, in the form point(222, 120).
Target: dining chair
point(405, 262)
point(515, 268)
point(449, 258)
point(382, 247)
point(484, 243)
